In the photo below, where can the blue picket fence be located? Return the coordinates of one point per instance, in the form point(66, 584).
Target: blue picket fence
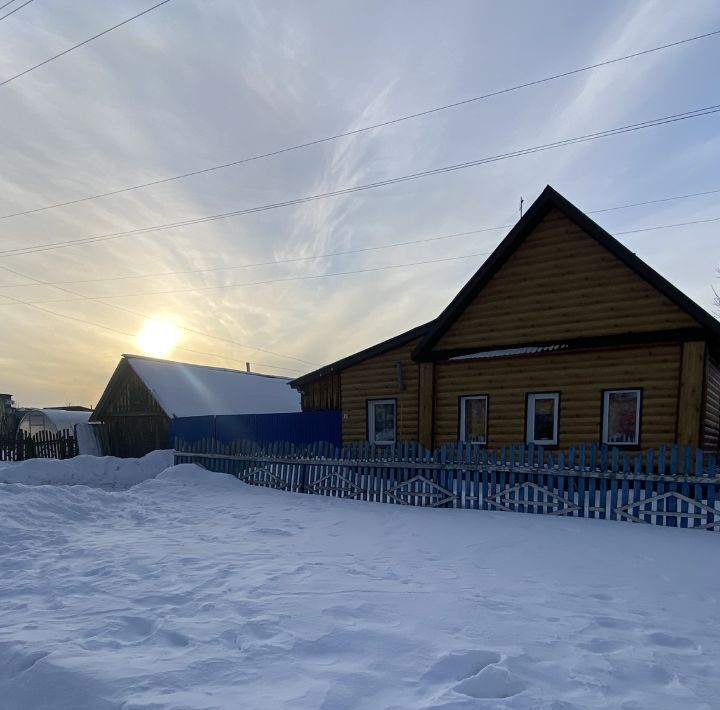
point(672, 486)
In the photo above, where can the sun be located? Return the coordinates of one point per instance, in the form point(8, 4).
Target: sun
point(158, 337)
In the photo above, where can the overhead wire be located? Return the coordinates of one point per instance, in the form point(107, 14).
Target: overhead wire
point(38, 305)
point(363, 129)
point(306, 277)
point(108, 328)
point(651, 123)
point(345, 252)
point(4, 82)
point(146, 316)
point(12, 12)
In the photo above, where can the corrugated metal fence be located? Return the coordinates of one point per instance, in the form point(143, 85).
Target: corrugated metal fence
point(297, 428)
point(673, 486)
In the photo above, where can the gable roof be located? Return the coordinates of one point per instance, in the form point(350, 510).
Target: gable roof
point(185, 390)
point(549, 199)
point(386, 345)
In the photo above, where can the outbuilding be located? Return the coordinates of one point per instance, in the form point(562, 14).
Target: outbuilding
point(52, 421)
point(144, 394)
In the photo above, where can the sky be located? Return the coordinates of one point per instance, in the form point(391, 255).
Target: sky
point(197, 83)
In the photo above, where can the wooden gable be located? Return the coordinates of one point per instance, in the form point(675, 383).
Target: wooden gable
point(126, 395)
point(560, 284)
point(559, 277)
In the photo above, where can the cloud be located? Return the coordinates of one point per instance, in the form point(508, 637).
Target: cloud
point(200, 83)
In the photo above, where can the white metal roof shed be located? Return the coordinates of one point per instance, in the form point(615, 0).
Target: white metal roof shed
point(186, 390)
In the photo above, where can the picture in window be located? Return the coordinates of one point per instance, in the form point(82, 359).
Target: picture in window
point(542, 418)
point(473, 419)
point(381, 421)
point(621, 417)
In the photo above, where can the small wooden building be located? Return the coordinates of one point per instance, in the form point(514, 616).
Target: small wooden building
point(562, 336)
point(145, 393)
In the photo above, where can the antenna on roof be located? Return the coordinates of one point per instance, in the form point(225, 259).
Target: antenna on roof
point(521, 206)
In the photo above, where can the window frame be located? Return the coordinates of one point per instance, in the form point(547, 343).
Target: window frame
point(530, 398)
point(461, 417)
point(605, 412)
point(370, 420)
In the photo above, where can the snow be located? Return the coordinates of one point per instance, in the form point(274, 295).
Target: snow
point(53, 420)
point(192, 590)
point(88, 439)
point(185, 390)
point(97, 471)
point(525, 350)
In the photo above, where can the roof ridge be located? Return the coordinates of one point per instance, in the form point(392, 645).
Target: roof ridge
point(164, 361)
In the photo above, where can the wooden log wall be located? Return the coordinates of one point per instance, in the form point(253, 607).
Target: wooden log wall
point(579, 376)
point(711, 416)
point(321, 394)
point(692, 372)
point(380, 378)
point(561, 284)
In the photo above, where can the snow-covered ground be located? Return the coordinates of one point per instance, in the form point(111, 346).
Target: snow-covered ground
point(97, 471)
point(193, 590)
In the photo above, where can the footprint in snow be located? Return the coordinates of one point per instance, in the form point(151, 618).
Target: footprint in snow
point(278, 532)
point(476, 675)
point(669, 641)
point(599, 645)
point(491, 682)
point(460, 665)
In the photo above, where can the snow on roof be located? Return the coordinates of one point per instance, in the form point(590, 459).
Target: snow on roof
point(526, 350)
point(61, 418)
point(185, 390)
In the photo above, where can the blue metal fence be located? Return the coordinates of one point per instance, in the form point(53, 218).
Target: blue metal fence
point(297, 428)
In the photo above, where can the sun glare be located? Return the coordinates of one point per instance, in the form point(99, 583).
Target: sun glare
point(158, 337)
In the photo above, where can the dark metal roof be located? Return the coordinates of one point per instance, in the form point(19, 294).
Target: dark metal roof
point(406, 337)
point(549, 199)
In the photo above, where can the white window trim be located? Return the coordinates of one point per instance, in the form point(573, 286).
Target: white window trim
point(371, 421)
point(530, 418)
point(463, 400)
point(606, 416)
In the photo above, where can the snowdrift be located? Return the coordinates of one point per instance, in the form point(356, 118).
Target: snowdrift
point(192, 590)
point(95, 471)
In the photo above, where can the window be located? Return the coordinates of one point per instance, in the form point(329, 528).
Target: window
point(621, 416)
point(542, 418)
point(381, 421)
point(474, 419)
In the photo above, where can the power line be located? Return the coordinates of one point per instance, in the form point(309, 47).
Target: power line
point(327, 255)
point(673, 118)
point(307, 277)
point(669, 226)
point(661, 199)
point(127, 333)
point(217, 287)
point(346, 134)
point(10, 2)
point(103, 299)
point(132, 335)
point(144, 315)
point(81, 44)
point(12, 12)
point(266, 263)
